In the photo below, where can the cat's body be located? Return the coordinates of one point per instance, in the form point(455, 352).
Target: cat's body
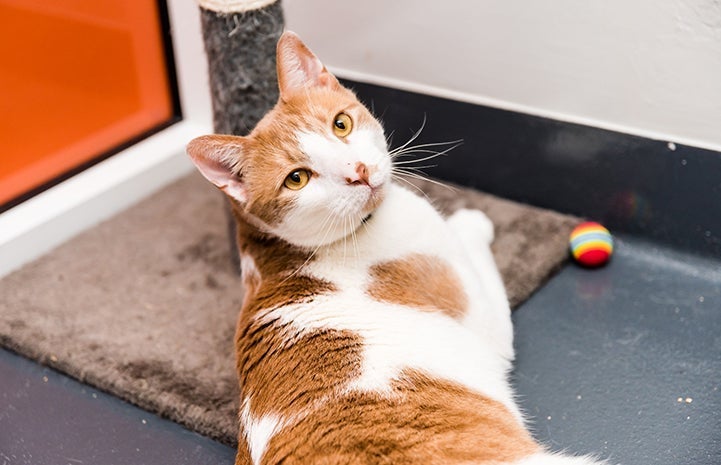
point(373, 330)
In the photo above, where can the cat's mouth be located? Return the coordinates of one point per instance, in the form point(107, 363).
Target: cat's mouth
point(377, 194)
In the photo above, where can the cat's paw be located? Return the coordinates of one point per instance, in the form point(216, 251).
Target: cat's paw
point(472, 224)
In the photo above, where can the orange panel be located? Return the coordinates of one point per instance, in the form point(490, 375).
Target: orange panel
point(77, 78)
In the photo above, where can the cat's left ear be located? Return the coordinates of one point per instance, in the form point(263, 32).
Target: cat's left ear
point(299, 68)
point(217, 158)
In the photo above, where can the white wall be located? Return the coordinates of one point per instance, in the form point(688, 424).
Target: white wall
point(646, 67)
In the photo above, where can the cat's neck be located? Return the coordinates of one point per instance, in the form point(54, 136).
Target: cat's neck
point(271, 257)
point(271, 269)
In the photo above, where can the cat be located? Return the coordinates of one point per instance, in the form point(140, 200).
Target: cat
point(373, 330)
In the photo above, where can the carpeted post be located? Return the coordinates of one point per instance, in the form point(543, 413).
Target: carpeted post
point(240, 37)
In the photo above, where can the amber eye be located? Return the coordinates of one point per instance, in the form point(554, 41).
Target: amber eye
point(297, 180)
point(342, 125)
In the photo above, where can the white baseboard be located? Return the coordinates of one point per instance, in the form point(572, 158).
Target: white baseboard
point(36, 226)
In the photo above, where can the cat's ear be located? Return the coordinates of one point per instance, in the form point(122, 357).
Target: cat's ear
point(299, 68)
point(216, 157)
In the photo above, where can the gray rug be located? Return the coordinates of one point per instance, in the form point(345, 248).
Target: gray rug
point(144, 305)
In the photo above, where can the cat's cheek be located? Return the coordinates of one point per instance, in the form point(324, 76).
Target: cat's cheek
point(309, 222)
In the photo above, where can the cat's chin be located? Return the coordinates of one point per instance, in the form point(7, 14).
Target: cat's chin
point(376, 198)
point(320, 230)
point(377, 194)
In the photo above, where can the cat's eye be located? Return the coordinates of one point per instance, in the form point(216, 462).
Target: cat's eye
point(297, 180)
point(342, 124)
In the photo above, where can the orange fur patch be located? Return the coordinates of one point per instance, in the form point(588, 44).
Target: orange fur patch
point(242, 457)
point(278, 370)
point(424, 421)
point(421, 281)
point(272, 256)
point(284, 373)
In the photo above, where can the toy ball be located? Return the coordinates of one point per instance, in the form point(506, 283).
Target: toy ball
point(591, 244)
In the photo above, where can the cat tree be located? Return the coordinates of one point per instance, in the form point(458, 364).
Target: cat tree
point(240, 37)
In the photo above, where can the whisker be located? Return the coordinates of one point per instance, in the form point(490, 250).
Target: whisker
point(422, 177)
point(365, 227)
point(382, 115)
point(355, 243)
point(435, 154)
point(401, 178)
point(310, 257)
point(415, 148)
point(422, 167)
point(410, 171)
point(389, 138)
point(413, 137)
point(345, 237)
point(412, 152)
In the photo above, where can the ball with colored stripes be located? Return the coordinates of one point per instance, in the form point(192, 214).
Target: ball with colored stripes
point(591, 244)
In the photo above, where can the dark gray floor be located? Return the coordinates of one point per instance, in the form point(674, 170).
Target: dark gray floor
point(49, 419)
point(625, 361)
point(603, 358)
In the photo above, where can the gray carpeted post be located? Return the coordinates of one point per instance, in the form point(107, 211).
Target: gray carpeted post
point(240, 37)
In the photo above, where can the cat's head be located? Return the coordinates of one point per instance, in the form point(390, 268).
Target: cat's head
point(313, 168)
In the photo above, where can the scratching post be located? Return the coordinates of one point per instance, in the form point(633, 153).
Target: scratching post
point(240, 37)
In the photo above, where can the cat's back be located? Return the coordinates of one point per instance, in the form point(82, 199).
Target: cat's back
point(363, 356)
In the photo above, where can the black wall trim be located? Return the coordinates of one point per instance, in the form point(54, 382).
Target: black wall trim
point(166, 33)
point(631, 184)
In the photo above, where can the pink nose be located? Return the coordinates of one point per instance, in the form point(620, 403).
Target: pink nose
point(362, 175)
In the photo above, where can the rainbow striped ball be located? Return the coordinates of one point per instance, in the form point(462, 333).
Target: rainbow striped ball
point(591, 244)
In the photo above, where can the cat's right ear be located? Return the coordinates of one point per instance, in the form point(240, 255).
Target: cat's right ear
point(299, 68)
point(217, 158)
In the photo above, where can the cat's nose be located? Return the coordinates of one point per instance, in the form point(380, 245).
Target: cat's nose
point(362, 175)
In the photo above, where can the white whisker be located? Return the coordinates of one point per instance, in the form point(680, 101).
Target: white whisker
point(422, 177)
point(401, 178)
point(408, 153)
point(389, 138)
point(355, 243)
point(328, 227)
point(365, 228)
point(345, 237)
point(422, 147)
point(410, 170)
point(418, 168)
point(434, 155)
point(413, 137)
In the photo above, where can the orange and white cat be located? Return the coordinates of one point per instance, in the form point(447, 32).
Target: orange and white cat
point(373, 330)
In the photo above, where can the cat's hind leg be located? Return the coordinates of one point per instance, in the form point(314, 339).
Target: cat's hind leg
point(472, 226)
point(492, 314)
point(476, 232)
